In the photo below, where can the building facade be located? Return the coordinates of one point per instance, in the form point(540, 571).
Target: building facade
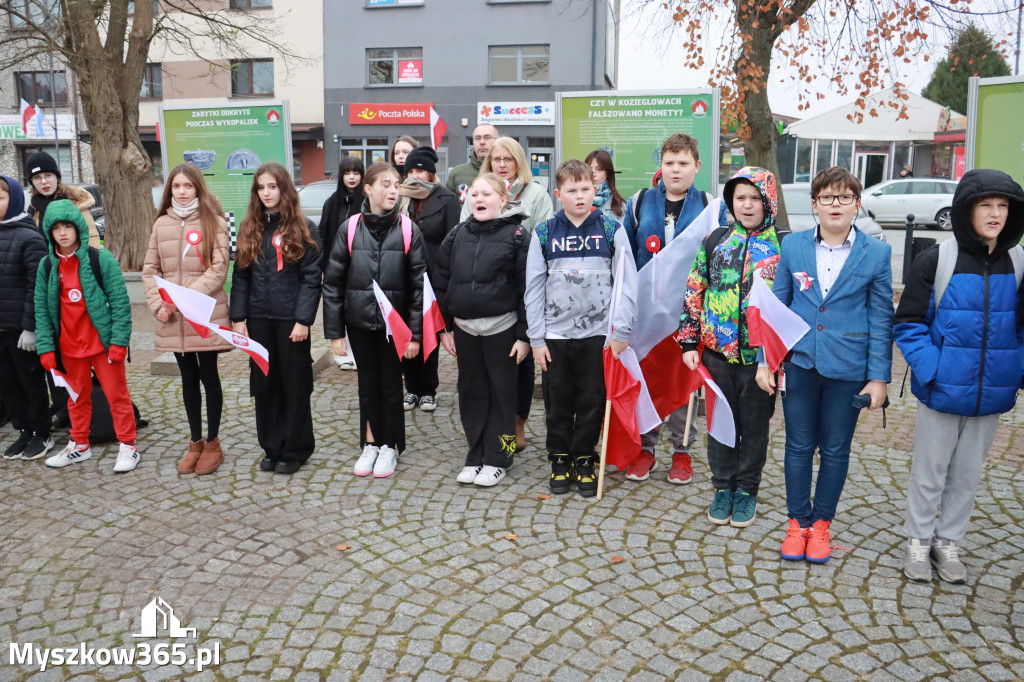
point(474, 61)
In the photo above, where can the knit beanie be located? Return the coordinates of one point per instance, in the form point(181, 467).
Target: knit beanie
point(16, 200)
point(41, 162)
point(422, 157)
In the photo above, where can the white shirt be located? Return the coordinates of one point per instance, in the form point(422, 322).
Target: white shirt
point(830, 260)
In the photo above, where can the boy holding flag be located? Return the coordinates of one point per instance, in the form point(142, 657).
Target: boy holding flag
point(839, 281)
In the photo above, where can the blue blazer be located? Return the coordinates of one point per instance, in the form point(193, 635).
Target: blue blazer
point(851, 329)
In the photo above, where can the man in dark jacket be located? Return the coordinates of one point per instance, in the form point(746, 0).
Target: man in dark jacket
point(462, 176)
point(22, 380)
point(964, 347)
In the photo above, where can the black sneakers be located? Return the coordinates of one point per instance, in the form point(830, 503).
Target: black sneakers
point(17, 447)
point(561, 475)
point(586, 479)
point(39, 445)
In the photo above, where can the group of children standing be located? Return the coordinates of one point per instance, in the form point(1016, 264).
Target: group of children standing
point(507, 293)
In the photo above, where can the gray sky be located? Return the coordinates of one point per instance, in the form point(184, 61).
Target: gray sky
point(649, 58)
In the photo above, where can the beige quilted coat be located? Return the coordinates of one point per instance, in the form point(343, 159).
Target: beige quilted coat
point(164, 259)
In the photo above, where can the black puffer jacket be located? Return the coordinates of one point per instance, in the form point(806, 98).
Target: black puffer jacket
point(338, 208)
point(481, 269)
point(21, 248)
point(291, 294)
point(378, 254)
point(437, 215)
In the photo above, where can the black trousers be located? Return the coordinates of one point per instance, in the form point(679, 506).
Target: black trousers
point(284, 419)
point(201, 368)
point(752, 410)
point(487, 396)
point(421, 377)
point(574, 396)
point(380, 388)
point(525, 380)
point(23, 385)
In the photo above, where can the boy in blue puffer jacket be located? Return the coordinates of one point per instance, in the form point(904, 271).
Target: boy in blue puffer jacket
point(965, 354)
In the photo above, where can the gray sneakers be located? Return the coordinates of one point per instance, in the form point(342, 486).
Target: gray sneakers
point(919, 556)
point(915, 561)
point(946, 558)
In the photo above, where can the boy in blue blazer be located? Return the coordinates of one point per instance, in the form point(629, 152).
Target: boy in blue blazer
point(839, 280)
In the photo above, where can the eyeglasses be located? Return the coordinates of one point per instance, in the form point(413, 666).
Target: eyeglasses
point(830, 199)
point(483, 138)
point(502, 160)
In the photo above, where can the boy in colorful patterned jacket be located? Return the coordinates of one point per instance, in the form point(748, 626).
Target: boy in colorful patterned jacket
point(716, 315)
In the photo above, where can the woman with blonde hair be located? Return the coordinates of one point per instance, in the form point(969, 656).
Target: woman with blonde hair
point(507, 160)
point(189, 246)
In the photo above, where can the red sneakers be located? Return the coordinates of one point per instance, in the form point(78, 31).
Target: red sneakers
point(795, 544)
point(682, 468)
point(641, 467)
point(819, 542)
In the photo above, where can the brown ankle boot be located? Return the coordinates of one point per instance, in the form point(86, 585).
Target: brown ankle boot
point(211, 459)
point(187, 465)
point(520, 433)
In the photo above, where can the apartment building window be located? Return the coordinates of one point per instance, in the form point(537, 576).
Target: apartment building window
point(152, 82)
point(24, 13)
point(389, 66)
point(519, 64)
point(252, 77)
point(38, 87)
point(251, 4)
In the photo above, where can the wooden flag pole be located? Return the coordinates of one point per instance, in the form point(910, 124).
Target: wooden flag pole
point(689, 417)
point(604, 449)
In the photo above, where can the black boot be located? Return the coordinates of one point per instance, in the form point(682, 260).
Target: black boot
point(561, 474)
point(586, 479)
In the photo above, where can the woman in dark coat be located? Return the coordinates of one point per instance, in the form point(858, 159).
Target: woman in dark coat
point(435, 209)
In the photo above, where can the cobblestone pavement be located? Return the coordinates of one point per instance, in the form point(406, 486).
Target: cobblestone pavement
point(325, 576)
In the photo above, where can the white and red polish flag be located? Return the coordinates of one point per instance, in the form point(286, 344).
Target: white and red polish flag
point(254, 349)
point(771, 325)
point(60, 379)
point(27, 112)
point(396, 327)
point(721, 424)
point(437, 128)
point(433, 323)
point(196, 308)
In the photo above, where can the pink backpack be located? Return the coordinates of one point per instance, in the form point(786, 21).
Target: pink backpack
point(353, 223)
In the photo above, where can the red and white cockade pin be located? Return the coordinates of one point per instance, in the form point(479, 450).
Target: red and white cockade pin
point(278, 245)
point(654, 243)
point(192, 238)
point(805, 280)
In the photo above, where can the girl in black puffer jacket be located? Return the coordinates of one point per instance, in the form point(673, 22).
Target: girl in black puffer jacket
point(275, 293)
point(375, 248)
point(481, 268)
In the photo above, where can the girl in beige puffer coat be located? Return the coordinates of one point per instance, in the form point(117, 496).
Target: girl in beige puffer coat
point(190, 247)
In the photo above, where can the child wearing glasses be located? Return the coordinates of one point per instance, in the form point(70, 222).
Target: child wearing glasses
point(839, 280)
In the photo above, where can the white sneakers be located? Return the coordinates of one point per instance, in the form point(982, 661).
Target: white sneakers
point(386, 462)
point(489, 476)
point(73, 453)
point(483, 475)
point(379, 461)
point(468, 474)
point(127, 458)
point(345, 361)
point(364, 465)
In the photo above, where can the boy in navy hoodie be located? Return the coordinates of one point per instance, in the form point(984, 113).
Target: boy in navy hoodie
point(570, 271)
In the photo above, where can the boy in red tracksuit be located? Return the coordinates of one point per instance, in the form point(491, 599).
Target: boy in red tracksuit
point(83, 313)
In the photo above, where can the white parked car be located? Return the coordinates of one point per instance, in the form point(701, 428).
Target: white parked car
point(801, 217)
point(929, 199)
point(313, 196)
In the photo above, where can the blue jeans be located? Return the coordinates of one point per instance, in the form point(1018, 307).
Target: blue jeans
point(819, 416)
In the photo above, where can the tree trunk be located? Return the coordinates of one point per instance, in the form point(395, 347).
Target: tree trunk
point(760, 147)
point(110, 78)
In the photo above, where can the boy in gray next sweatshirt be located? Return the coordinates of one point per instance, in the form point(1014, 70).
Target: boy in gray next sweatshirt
point(570, 272)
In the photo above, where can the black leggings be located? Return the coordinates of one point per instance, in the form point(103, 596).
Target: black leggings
point(196, 368)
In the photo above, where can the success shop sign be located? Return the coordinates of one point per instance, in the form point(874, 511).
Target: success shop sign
point(384, 114)
point(516, 113)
